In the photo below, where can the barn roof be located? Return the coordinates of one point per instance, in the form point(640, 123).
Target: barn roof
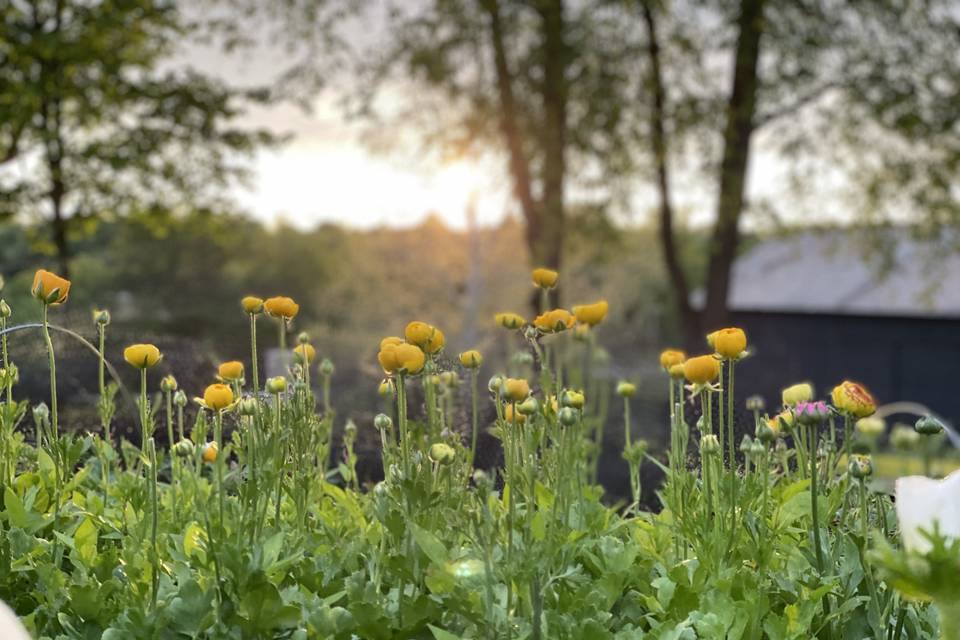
point(833, 273)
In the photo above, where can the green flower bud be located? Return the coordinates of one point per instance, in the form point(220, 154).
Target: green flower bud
point(303, 337)
point(5, 310)
point(709, 445)
point(41, 413)
point(350, 430)
point(528, 407)
point(326, 367)
point(442, 453)
point(755, 403)
point(567, 416)
point(184, 448)
point(746, 444)
point(928, 426)
point(247, 406)
point(101, 317)
point(387, 388)
point(626, 389)
point(495, 383)
point(277, 384)
point(383, 422)
point(860, 467)
point(180, 399)
point(168, 384)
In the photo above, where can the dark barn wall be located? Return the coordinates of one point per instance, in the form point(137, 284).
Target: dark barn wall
point(898, 359)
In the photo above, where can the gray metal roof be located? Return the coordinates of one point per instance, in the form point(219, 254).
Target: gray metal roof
point(836, 272)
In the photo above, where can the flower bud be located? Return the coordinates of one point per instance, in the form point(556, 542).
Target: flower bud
point(383, 422)
point(184, 448)
point(746, 444)
point(581, 332)
point(101, 317)
point(570, 398)
point(387, 388)
point(860, 467)
point(5, 310)
point(522, 358)
point(277, 384)
point(928, 426)
point(168, 384)
point(442, 453)
point(755, 403)
point(481, 479)
point(350, 430)
point(528, 407)
point(765, 433)
point(247, 406)
point(209, 452)
point(709, 445)
point(626, 389)
point(303, 337)
point(811, 413)
point(180, 398)
point(757, 449)
point(793, 394)
point(495, 383)
point(471, 359)
point(870, 427)
point(41, 413)
point(326, 367)
point(904, 438)
point(449, 379)
point(567, 416)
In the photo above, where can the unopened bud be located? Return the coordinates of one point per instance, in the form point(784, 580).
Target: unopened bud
point(247, 406)
point(383, 422)
point(101, 317)
point(180, 399)
point(442, 453)
point(326, 367)
point(168, 384)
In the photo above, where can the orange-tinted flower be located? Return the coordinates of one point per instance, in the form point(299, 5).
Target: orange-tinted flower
point(729, 343)
point(401, 358)
point(419, 333)
point(508, 416)
point(516, 389)
point(304, 351)
point(436, 342)
point(49, 287)
point(591, 314)
point(701, 369)
point(209, 452)
point(671, 357)
point(853, 398)
point(217, 396)
point(554, 321)
point(281, 307)
point(232, 370)
point(252, 304)
point(545, 278)
point(142, 356)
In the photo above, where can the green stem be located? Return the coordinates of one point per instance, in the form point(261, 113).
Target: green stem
point(53, 375)
point(6, 360)
point(173, 458)
point(816, 519)
point(254, 368)
point(218, 438)
point(473, 416)
point(155, 516)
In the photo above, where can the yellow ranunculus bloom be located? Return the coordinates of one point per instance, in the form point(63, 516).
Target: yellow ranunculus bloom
point(436, 342)
point(591, 314)
point(217, 396)
point(471, 359)
point(626, 389)
point(142, 356)
point(783, 418)
point(394, 340)
point(516, 389)
point(793, 394)
point(232, 370)
point(553, 321)
point(277, 384)
point(252, 304)
point(853, 398)
point(419, 333)
point(671, 357)
point(401, 358)
point(209, 452)
point(676, 371)
point(729, 343)
point(281, 307)
point(701, 369)
point(49, 287)
point(571, 398)
point(508, 416)
point(302, 351)
point(509, 320)
point(545, 278)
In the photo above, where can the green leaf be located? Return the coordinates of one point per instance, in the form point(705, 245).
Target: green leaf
point(85, 541)
point(429, 544)
point(440, 634)
point(195, 540)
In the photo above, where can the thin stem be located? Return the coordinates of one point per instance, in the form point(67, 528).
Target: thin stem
point(53, 375)
point(473, 416)
point(254, 366)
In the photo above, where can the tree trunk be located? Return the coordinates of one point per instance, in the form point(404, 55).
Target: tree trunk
point(689, 318)
point(741, 108)
point(549, 249)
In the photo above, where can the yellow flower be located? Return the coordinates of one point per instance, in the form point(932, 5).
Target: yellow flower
point(419, 333)
point(626, 389)
point(49, 287)
point(252, 305)
point(793, 394)
point(516, 389)
point(676, 372)
point(305, 350)
point(729, 343)
point(581, 332)
point(509, 320)
point(784, 418)
point(394, 340)
point(591, 314)
point(209, 452)
point(142, 356)
point(570, 398)
point(853, 398)
point(281, 307)
point(671, 357)
point(401, 358)
point(545, 278)
point(232, 370)
point(701, 369)
point(554, 321)
point(508, 415)
point(217, 396)
point(436, 342)
point(471, 359)
point(277, 384)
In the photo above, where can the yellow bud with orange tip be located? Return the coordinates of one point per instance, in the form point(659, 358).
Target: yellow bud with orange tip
point(730, 343)
point(554, 321)
point(701, 369)
point(854, 399)
point(231, 371)
point(142, 356)
point(50, 288)
point(516, 389)
point(591, 314)
point(509, 320)
point(671, 357)
point(217, 396)
point(252, 305)
point(304, 353)
point(545, 278)
point(281, 307)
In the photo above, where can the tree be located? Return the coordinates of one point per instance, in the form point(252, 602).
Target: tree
point(863, 86)
point(95, 123)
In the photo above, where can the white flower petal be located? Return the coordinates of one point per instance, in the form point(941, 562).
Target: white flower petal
point(922, 501)
point(10, 626)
